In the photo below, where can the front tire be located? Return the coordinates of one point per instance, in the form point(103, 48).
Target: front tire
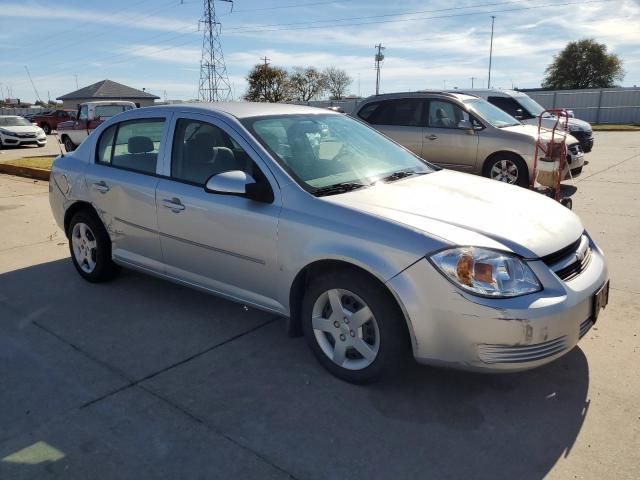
point(46, 128)
point(353, 326)
point(90, 248)
point(508, 168)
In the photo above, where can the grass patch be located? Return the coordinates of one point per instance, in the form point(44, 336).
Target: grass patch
point(613, 127)
point(41, 163)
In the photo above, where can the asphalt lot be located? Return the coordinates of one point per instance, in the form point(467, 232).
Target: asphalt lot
point(140, 378)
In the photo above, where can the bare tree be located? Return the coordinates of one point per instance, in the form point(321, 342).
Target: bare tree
point(338, 82)
point(306, 83)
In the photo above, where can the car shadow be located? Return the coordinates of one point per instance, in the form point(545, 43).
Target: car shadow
point(423, 422)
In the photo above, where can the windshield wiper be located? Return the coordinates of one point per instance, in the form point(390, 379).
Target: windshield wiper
point(338, 188)
point(399, 175)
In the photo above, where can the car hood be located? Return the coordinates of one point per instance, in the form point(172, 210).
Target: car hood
point(576, 123)
point(464, 209)
point(22, 129)
point(532, 131)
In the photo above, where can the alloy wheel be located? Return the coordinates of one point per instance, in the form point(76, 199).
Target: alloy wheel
point(84, 247)
point(505, 171)
point(345, 329)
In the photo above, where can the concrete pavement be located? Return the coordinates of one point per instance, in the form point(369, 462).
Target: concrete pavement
point(140, 378)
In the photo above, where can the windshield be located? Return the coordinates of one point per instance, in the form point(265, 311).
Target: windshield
point(490, 113)
point(530, 105)
point(326, 151)
point(14, 122)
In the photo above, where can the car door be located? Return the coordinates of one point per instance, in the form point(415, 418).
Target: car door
point(224, 243)
point(78, 132)
point(122, 184)
point(450, 140)
point(400, 119)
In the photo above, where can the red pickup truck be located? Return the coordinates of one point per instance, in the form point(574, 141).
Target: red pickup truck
point(49, 120)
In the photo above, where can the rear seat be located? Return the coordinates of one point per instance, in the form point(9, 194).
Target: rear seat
point(140, 157)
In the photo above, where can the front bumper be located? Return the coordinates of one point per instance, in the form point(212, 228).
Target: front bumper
point(453, 328)
point(8, 140)
point(585, 139)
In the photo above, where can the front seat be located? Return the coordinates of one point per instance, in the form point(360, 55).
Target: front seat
point(441, 119)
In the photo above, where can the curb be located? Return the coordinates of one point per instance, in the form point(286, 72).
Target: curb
point(27, 172)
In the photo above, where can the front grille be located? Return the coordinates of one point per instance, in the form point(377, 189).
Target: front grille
point(26, 135)
point(521, 353)
point(585, 327)
point(570, 261)
point(575, 149)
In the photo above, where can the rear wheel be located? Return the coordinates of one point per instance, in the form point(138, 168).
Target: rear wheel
point(90, 247)
point(507, 168)
point(353, 326)
point(68, 144)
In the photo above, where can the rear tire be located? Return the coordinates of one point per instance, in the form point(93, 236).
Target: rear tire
point(68, 144)
point(508, 168)
point(90, 247)
point(361, 340)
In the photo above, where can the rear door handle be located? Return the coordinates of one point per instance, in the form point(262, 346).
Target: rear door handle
point(173, 204)
point(431, 137)
point(101, 186)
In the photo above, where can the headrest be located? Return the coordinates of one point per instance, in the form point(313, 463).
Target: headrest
point(140, 145)
point(440, 113)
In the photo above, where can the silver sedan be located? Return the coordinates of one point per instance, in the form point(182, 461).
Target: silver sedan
point(366, 249)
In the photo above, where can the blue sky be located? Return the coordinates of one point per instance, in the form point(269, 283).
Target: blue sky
point(156, 44)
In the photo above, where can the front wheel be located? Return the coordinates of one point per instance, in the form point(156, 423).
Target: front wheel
point(507, 168)
point(46, 128)
point(353, 326)
point(90, 248)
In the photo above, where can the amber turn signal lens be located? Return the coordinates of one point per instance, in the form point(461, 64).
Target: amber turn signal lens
point(483, 272)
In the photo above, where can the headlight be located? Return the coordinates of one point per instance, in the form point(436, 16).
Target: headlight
point(8, 133)
point(486, 272)
point(575, 128)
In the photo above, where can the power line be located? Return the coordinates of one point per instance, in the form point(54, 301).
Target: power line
point(309, 27)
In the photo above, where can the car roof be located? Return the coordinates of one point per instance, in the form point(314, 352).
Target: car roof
point(419, 94)
point(504, 92)
point(242, 110)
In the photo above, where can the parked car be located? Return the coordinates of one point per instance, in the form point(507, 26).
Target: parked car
point(50, 119)
point(310, 214)
point(90, 114)
point(461, 132)
point(527, 110)
point(17, 131)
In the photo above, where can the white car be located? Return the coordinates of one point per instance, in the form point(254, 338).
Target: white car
point(17, 131)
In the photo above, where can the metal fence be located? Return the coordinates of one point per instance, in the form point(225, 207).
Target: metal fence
point(598, 105)
point(21, 110)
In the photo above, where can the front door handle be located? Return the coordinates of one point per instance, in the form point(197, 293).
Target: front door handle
point(173, 204)
point(101, 186)
point(431, 137)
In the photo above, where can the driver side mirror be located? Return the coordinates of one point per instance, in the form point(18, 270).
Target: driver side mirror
point(237, 182)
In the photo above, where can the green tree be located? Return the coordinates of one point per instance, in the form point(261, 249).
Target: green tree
point(268, 84)
point(583, 64)
point(307, 83)
point(337, 81)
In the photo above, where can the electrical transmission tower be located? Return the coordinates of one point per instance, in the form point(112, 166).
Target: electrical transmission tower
point(214, 82)
point(378, 58)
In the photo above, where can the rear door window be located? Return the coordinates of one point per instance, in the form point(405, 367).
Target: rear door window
point(132, 145)
point(404, 112)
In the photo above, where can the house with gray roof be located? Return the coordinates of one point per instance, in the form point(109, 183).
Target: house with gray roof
point(107, 90)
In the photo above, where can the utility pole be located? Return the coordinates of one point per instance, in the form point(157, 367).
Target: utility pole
point(214, 81)
point(378, 60)
point(35, 90)
point(493, 18)
point(76, 75)
point(264, 77)
point(472, 80)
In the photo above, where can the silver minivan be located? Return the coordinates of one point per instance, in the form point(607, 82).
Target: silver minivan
point(461, 132)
